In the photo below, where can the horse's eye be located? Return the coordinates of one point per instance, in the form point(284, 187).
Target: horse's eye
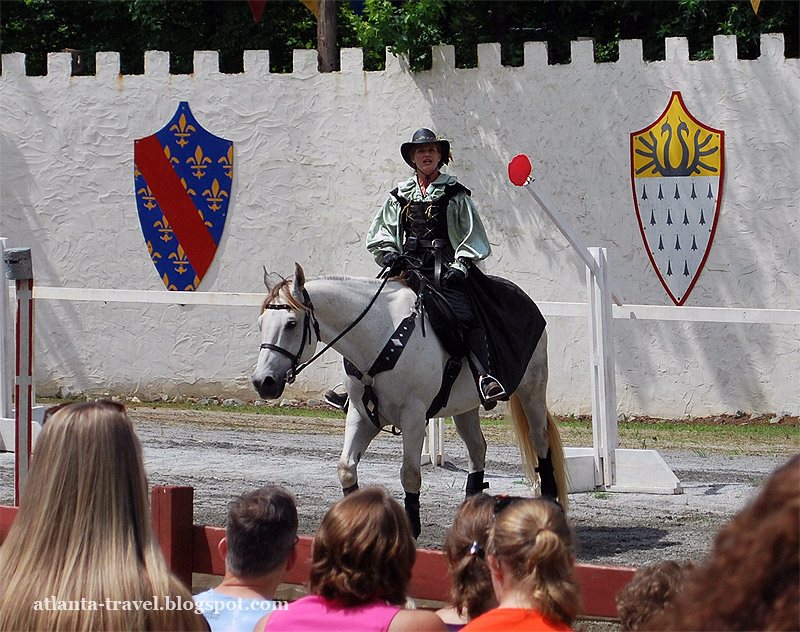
point(291, 324)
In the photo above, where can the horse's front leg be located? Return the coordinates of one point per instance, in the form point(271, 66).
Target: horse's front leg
point(468, 426)
point(410, 475)
point(358, 433)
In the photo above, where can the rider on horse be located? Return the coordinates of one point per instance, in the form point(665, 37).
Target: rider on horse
point(428, 229)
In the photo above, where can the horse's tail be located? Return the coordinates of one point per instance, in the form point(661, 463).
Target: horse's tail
point(530, 458)
point(559, 462)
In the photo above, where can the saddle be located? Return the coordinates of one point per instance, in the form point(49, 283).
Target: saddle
point(512, 321)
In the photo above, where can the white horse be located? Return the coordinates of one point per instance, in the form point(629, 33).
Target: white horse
point(297, 315)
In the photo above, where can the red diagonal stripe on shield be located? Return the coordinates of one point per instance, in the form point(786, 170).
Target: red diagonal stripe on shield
point(175, 203)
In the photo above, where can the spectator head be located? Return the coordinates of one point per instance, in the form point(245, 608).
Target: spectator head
point(650, 590)
point(260, 532)
point(83, 530)
point(531, 541)
point(465, 550)
point(363, 550)
point(751, 581)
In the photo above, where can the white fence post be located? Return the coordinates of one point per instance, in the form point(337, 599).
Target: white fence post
point(603, 377)
point(433, 443)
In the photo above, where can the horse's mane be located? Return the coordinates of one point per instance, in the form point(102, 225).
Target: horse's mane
point(282, 289)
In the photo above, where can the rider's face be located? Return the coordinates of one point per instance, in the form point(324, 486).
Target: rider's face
point(426, 158)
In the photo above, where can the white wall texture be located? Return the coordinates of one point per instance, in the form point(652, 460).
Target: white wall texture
point(316, 154)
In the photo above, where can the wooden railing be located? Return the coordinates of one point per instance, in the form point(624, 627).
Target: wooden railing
point(190, 548)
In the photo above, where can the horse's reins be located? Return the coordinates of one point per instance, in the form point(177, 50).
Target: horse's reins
point(294, 371)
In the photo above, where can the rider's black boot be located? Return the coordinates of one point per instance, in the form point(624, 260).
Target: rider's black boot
point(489, 386)
point(337, 400)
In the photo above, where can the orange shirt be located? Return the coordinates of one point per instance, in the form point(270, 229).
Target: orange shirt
point(514, 620)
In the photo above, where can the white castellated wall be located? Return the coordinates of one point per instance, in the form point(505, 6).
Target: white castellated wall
point(316, 154)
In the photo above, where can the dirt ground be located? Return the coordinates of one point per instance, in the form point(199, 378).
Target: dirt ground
point(223, 454)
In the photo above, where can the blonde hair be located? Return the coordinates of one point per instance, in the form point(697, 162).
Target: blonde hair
point(532, 537)
point(363, 550)
point(83, 532)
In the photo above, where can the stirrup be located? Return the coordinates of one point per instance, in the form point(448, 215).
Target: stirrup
point(337, 400)
point(491, 389)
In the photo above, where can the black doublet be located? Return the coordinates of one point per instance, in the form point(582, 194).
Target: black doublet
point(426, 239)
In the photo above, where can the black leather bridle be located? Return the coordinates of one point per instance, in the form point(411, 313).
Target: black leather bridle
point(309, 319)
point(293, 372)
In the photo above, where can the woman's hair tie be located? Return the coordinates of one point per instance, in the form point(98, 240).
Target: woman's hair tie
point(476, 549)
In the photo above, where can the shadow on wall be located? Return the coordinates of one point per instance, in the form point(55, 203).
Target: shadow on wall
point(20, 217)
point(744, 256)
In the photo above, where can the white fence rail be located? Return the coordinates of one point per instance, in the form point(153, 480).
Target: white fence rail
point(747, 315)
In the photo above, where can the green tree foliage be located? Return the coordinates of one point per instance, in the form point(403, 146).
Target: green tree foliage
point(405, 27)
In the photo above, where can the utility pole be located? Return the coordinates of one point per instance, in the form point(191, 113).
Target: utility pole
point(326, 36)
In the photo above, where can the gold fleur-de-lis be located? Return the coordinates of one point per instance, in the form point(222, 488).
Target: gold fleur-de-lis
point(206, 222)
point(170, 286)
point(182, 130)
point(147, 195)
point(170, 158)
point(186, 186)
point(164, 228)
point(153, 254)
point(198, 162)
point(179, 260)
point(214, 196)
point(227, 162)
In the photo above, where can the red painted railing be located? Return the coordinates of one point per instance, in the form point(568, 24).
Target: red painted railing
point(190, 548)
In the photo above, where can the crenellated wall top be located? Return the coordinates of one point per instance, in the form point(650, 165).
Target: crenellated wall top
point(256, 62)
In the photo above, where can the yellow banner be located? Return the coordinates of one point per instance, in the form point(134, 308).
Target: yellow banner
point(313, 6)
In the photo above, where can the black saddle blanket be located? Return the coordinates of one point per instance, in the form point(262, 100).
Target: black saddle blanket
point(511, 320)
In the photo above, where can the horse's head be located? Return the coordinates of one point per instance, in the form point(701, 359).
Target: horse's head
point(288, 333)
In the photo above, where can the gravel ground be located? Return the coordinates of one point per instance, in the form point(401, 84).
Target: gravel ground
point(220, 460)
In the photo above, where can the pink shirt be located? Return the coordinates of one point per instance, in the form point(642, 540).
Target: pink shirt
point(315, 613)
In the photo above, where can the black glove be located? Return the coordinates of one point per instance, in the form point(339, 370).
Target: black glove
point(390, 259)
point(453, 277)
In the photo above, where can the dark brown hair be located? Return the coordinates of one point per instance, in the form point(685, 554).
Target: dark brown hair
point(752, 579)
point(363, 550)
point(260, 531)
point(465, 546)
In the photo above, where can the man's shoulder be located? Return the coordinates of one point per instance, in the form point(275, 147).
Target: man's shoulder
point(207, 595)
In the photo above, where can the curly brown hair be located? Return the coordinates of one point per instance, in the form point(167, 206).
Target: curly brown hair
point(650, 590)
point(363, 550)
point(464, 548)
point(752, 579)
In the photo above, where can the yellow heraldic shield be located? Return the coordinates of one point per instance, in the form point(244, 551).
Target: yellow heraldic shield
point(677, 165)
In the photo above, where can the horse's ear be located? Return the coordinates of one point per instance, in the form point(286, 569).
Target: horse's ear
point(299, 276)
point(271, 279)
